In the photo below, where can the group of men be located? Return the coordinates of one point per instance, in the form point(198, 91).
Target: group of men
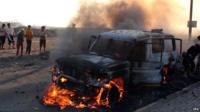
point(27, 33)
point(6, 33)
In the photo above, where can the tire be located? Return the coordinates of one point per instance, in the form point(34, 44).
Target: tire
point(113, 95)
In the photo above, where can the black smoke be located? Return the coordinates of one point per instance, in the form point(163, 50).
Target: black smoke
point(116, 14)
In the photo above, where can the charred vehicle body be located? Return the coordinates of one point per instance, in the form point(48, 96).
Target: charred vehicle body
point(115, 59)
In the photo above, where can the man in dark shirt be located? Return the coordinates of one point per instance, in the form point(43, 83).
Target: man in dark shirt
point(2, 36)
point(20, 41)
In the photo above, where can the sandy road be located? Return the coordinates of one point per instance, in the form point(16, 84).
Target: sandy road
point(21, 86)
point(23, 80)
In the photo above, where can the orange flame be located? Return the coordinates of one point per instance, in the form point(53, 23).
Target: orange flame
point(58, 96)
point(119, 83)
point(64, 97)
point(165, 72)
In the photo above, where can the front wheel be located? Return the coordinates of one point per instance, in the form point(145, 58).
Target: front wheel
point(114, 95)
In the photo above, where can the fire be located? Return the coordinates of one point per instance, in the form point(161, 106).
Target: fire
point(63, 97)
point(165, 72)
point(63, 80)
point(58, 96)
point(98, 98)
point(118, 82)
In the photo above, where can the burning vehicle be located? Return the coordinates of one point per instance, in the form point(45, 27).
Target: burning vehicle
point(114, 59)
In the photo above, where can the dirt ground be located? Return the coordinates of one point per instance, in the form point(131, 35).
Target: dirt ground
point(23, 79)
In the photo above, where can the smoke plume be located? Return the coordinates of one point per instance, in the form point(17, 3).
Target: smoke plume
point(74, 40)
point(94, 17)
point(131, 14)
point(115, 14)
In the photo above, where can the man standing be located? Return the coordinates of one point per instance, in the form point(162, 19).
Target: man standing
point(20, 41)
point(198, 59)
point(29, 36)
point(198, 40)
point(2, 36)
point(43, 35)
point(10, 36)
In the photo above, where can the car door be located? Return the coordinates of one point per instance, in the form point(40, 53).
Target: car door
point(147, 61)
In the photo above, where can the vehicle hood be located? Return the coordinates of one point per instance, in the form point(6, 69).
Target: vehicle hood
point(89, 61)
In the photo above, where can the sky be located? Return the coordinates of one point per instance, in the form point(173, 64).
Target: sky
point(38, 12)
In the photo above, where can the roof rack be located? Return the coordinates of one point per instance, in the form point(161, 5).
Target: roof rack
point(157, 30)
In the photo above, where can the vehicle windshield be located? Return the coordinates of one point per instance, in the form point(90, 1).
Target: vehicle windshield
point(110, 47)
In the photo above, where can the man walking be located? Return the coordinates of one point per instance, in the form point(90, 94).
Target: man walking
point(20, 41)
point(29, 36)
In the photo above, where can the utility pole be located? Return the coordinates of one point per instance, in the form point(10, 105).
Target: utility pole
point(190, 19)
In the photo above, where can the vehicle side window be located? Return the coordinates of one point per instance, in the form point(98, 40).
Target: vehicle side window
point(156, 46)
point(178, 46)
point(168, 45)
point(139, 52)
